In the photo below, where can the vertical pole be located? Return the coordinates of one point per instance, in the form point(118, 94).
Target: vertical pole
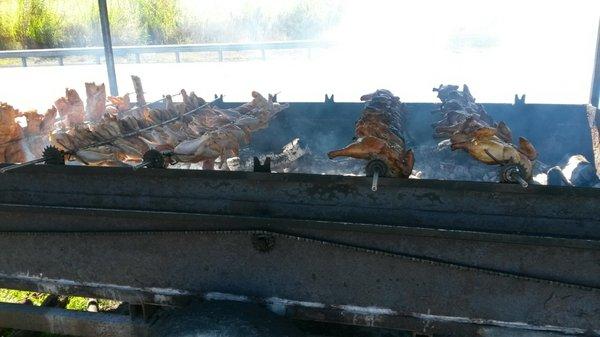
point(108, 49)
point(595, 93)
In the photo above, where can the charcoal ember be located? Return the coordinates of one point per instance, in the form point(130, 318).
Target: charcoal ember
point(234, 164)
point(578, 171)
point(287, 159)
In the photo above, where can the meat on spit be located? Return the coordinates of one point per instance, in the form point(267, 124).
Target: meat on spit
point(379, 134)
point(469, 127)
point(17, 143)
point(190, 131)
point(11, 134)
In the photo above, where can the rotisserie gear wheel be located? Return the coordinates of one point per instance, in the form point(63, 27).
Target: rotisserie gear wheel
point(53, 156)
point(154, 159)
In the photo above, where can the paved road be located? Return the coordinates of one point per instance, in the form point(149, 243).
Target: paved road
point(348, 76)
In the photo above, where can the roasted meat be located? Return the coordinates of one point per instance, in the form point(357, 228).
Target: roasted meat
point(70, 109)
point(96, 101)
point(11, 135)
point(190, 131)
point(37, 131)
point(470, 128)
point(379, 134)
point(231, 129)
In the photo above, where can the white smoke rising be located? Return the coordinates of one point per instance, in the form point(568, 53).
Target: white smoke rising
point(544, 49)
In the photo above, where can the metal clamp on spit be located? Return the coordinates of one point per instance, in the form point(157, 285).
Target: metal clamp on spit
point(513, 173)
point(265, 167)
point(50, 156)
point(376, 168)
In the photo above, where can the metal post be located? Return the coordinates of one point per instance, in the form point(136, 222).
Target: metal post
point(108, 50)
point(595, 94)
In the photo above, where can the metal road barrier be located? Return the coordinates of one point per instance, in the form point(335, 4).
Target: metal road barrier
point(219, 48)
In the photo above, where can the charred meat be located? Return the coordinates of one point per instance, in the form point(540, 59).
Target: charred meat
point(470, 128)
point(379, 134)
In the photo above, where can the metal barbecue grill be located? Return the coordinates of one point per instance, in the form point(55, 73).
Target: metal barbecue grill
point(433, 257)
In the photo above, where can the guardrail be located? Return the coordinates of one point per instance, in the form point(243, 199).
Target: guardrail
point(220, 48)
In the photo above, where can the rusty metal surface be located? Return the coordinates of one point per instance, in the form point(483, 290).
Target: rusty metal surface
point(300, 269)
point(474, 252)
point(69, 322)
point(484, 207)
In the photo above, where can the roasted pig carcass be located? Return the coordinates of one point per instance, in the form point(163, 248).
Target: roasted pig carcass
point(70, 109)
point(485, 145)
point(191, 130)
point(95, 106)
point(380, 134)
point(231, 129)
point(456, 107)
point(118, 104)
point(470, 128)
point(37, 131)
point(11, 136)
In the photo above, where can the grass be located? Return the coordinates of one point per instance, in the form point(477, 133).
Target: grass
point(28, 24)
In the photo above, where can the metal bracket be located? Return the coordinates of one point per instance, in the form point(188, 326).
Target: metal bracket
point(265, 167)
point(329, 99)
point(519, 101)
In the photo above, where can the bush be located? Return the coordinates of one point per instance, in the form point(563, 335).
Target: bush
point(39, 26)
point(75, 23)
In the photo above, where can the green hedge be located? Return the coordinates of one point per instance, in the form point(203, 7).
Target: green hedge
point(30, 24)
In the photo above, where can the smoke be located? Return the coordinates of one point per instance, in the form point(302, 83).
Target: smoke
point(544, 49)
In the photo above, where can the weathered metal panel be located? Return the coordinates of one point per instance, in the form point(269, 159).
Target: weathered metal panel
point(317, 272)
point(487, 207)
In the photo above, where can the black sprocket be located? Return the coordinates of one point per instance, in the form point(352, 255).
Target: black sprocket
point(53, 156)
point(154, 159)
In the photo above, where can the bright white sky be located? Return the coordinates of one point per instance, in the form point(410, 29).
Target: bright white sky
point(544, 49)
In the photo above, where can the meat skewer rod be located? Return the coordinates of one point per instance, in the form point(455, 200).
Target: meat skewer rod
point(139, 131)
point(375, 181)
point(27, 163)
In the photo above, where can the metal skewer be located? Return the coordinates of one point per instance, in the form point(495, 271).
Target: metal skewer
point(375, 168)
point(520, 180)
point(375, 181)
point(109, 141)
point(137, 132)
point(27, 163)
